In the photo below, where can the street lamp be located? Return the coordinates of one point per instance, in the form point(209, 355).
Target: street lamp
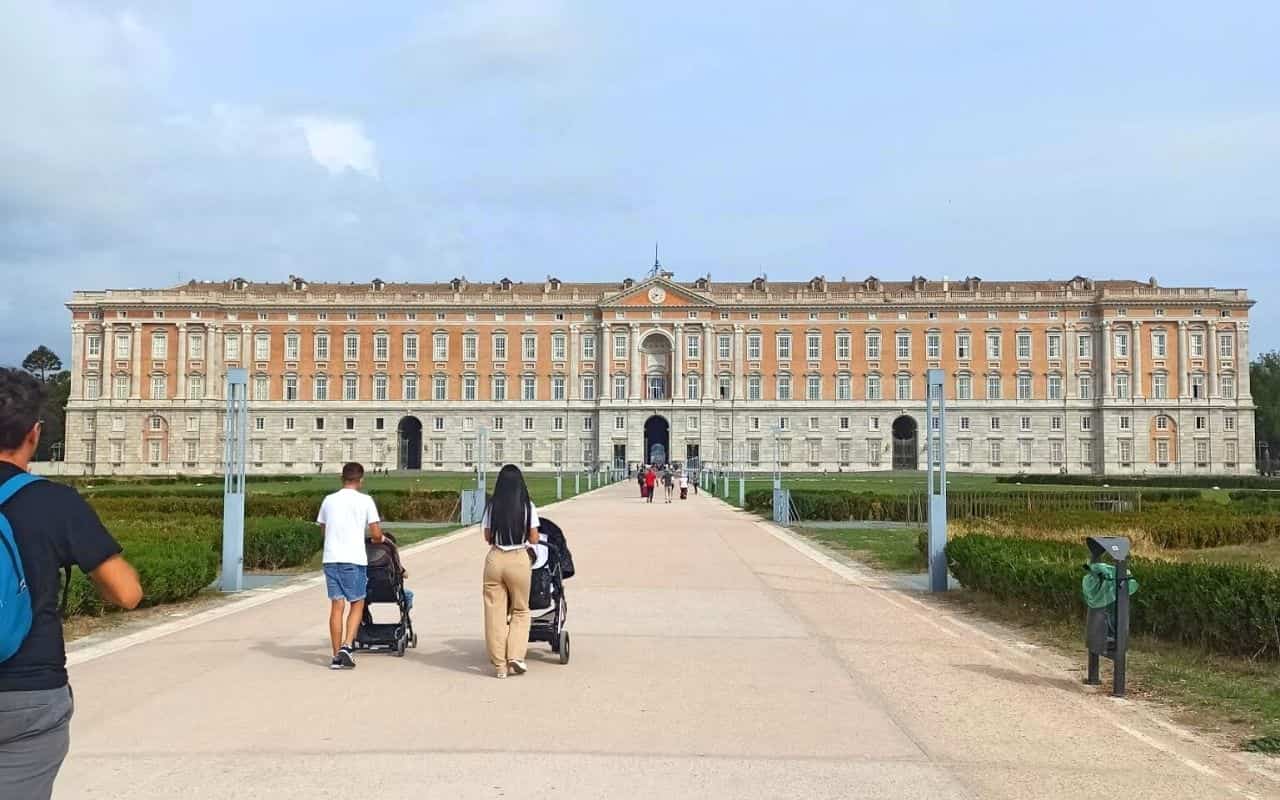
point(777, 456)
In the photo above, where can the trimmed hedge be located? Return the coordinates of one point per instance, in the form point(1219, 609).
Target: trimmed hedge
point(839, 505)
point(1170, 526)
point(1228, 609)
point(170, 571)
point(1191, 481)
point(433, 506)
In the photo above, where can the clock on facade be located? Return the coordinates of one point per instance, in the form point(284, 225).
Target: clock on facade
point(657, 295)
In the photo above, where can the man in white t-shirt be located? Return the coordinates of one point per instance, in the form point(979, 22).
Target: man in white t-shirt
point(344, 517)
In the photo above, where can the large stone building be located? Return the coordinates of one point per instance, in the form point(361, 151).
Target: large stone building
point(1120, 377)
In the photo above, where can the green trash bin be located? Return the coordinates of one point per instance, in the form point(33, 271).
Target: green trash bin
point(1107, 620)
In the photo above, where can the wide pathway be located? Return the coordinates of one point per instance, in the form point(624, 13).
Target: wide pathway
point(714, 657)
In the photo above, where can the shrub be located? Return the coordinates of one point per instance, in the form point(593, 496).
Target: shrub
point(433, 506)
point(169, 571)
point(1195, 481)
point(1225, 608)
point(1171, 526)
point(273, 542)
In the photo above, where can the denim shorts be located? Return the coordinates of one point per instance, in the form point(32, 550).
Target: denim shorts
point(347, 582)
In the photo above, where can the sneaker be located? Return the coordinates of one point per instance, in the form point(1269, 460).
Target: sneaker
point(500, 673)
point(519, 667)
point(335, 663)
point(345, 659)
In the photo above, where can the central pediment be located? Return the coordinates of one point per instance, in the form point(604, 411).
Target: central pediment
point(658, 292)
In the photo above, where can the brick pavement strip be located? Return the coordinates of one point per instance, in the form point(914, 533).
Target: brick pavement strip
point(714, 657)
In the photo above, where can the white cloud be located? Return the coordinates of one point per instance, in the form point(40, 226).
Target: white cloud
point(339, 145)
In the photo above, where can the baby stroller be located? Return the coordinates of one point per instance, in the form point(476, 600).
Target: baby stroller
point(386, 585)
point(547, 607)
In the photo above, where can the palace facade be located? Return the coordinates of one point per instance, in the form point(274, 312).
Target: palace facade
point(1078, 376)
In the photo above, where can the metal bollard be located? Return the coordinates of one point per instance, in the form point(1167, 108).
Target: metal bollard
point(742, 491)
point(577, 483)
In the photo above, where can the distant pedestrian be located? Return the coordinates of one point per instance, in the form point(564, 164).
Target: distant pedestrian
point(650, 481)
point(50, 528)
point(668, 483)
point(684, 485)
point(640, 473)
point(344, 518)
point(510, 527)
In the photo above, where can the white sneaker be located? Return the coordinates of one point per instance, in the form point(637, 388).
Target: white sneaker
point(519, 667)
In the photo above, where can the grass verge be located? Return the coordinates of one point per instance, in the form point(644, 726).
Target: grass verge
point(893, 549)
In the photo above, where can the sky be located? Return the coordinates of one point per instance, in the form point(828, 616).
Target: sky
point(149, 143)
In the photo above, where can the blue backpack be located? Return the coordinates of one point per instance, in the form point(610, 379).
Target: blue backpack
point(15, 597)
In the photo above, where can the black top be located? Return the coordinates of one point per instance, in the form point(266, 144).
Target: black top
point(54, 527)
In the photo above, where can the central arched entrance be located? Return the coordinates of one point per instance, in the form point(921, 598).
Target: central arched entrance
point(410, 430)
point(657, 440)
point(905, 451)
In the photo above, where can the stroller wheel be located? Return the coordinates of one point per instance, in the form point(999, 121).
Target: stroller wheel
point(400, 645)
point(413, 640)
point(563, 649)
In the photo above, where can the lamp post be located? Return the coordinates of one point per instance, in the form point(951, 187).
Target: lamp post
point(777, 457)
point(937, 478)
point(235, 434)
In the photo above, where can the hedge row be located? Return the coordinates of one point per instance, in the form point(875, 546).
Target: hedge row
point(1169, 526)
point(1194, 481)
point(433, 506)
point(839, 505)
point(1225, 608)
point(269, 542)
point(170, 571)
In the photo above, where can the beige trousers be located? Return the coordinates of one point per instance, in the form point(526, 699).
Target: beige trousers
point(506, 605)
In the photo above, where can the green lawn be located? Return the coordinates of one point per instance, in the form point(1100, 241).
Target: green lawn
point(887, 548)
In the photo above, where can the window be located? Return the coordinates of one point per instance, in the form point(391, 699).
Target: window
point(499, 424)
point(117, 424)
point(784, 387)
point(844, 453)
point(1229, 423)
point(873, 452)
point(933, 345)
point(965, 424)
point(499, 387)
point(588, 387)
point(996, 448)
point(995, 423)
point(121, 387)
point(724, 347)
point(619, 387)
point(350, 387)
point(437, 453)
point(351, 347)
point(1024, 346)
point(319, 423)
point(1024, 387)
point(468, 423)
point(499, 347)
point(411, 347)
point(813, 346)
point(439, 387)
point(1226, 345)
point(349, 424)
point(693, 345)
point(619, 423)
point(904, 387)
point(753, 387)
point(1055, 423)
point(1024, 423)
point(557, 424)
point(559, 347)
point(1024, 453)
point(322, 346)
point(1159, 385)
point(261, 346)
point(873, 346)
point(993, 387)
point(291, 387)
point(159, 346)
point(965, 453)
point(438, 424)
point(873, 423)
point(903, 346)
point(557, 387)
point(964, 387)
point(1162, 452)
point(724, 423)
point(1197, 386)
point(440, 347)
point(1159, 344)
point(692, 387)
point(1122, 344)
point(1230, 453)
point(726, 387)
point(261, 387)
point(93, 345)
point(1126, 422)
point(470, 387)
point(1202, 423)
point(529, 347)
point(1055, 345)
point(292, 345)
point(844, 389)
point(619, 346)
point(381, 347)
point(588, 423)
point(1228, 387)
point(1086, 423)
point(993, 346)
point(380, 424)
point(1084, 345)
point(1055, 387)
point(873, 387)
point(92, 387)
point(844, 423)
point(1197, 345)
point(191, 452)
point(528, 388)
point(153, 452)
point(321, 387)
point(844, 346)
point(499, 453)
point(753, 346)
point(410, 387)
point(195, 387)
point(124, 345)
point(589, 346)
point(1162, 423)
point(1086, 387)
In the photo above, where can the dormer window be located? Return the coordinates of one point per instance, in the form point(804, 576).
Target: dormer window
point(871, 284)
point(239, 284)
point(456, 284)
point(918, 282)
point(702, 283)
point(972, 283)
point(627, 283)
point(757, 284)
point(817, 284)
point(378, 284)
point(297, 284)
point(553, 284)
point(505, 284)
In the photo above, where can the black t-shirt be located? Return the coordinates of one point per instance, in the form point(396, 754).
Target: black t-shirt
point(54, 527)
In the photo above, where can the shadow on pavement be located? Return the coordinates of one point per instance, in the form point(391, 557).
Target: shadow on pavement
point(1024, 678)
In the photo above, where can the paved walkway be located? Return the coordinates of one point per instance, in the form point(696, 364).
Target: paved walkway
point(713, 658)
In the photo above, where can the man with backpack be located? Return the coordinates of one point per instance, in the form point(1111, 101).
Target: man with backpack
point(45, 529)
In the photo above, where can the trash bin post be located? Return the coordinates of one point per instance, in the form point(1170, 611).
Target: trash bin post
point(1107, 620)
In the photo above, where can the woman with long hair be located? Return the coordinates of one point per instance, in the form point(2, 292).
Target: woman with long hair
point(510, 527)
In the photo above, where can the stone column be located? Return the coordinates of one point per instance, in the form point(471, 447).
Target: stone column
point(574, 353)
point(1070, 347)
point(182, 362)
point(1242, 363)
point(136, 355)
point(708, 363)
point(677, 363)
point(213, 361)
point(1104, 363)
point(739, 363)
point(637, 391)
point(1137, 360)
point(1212, 359)
point(1184, 370)
point(77, 363)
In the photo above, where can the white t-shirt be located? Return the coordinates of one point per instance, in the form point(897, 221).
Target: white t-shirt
point(345, 515)
point(533, 523)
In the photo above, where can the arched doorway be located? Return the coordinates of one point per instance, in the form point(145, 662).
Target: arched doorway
point(657, 440)
point(410, 430)
point(905, 451)
point(656, 349)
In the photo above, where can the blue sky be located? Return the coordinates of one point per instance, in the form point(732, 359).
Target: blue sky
point(153, 142)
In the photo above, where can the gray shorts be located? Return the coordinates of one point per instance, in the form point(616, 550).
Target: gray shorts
point(35, 733)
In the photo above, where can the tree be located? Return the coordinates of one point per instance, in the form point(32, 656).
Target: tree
point(53, 432)
point(1264, 384)
point(42, 362)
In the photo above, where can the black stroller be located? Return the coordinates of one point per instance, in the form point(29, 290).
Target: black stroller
point(386, 585)
point(547, 607)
